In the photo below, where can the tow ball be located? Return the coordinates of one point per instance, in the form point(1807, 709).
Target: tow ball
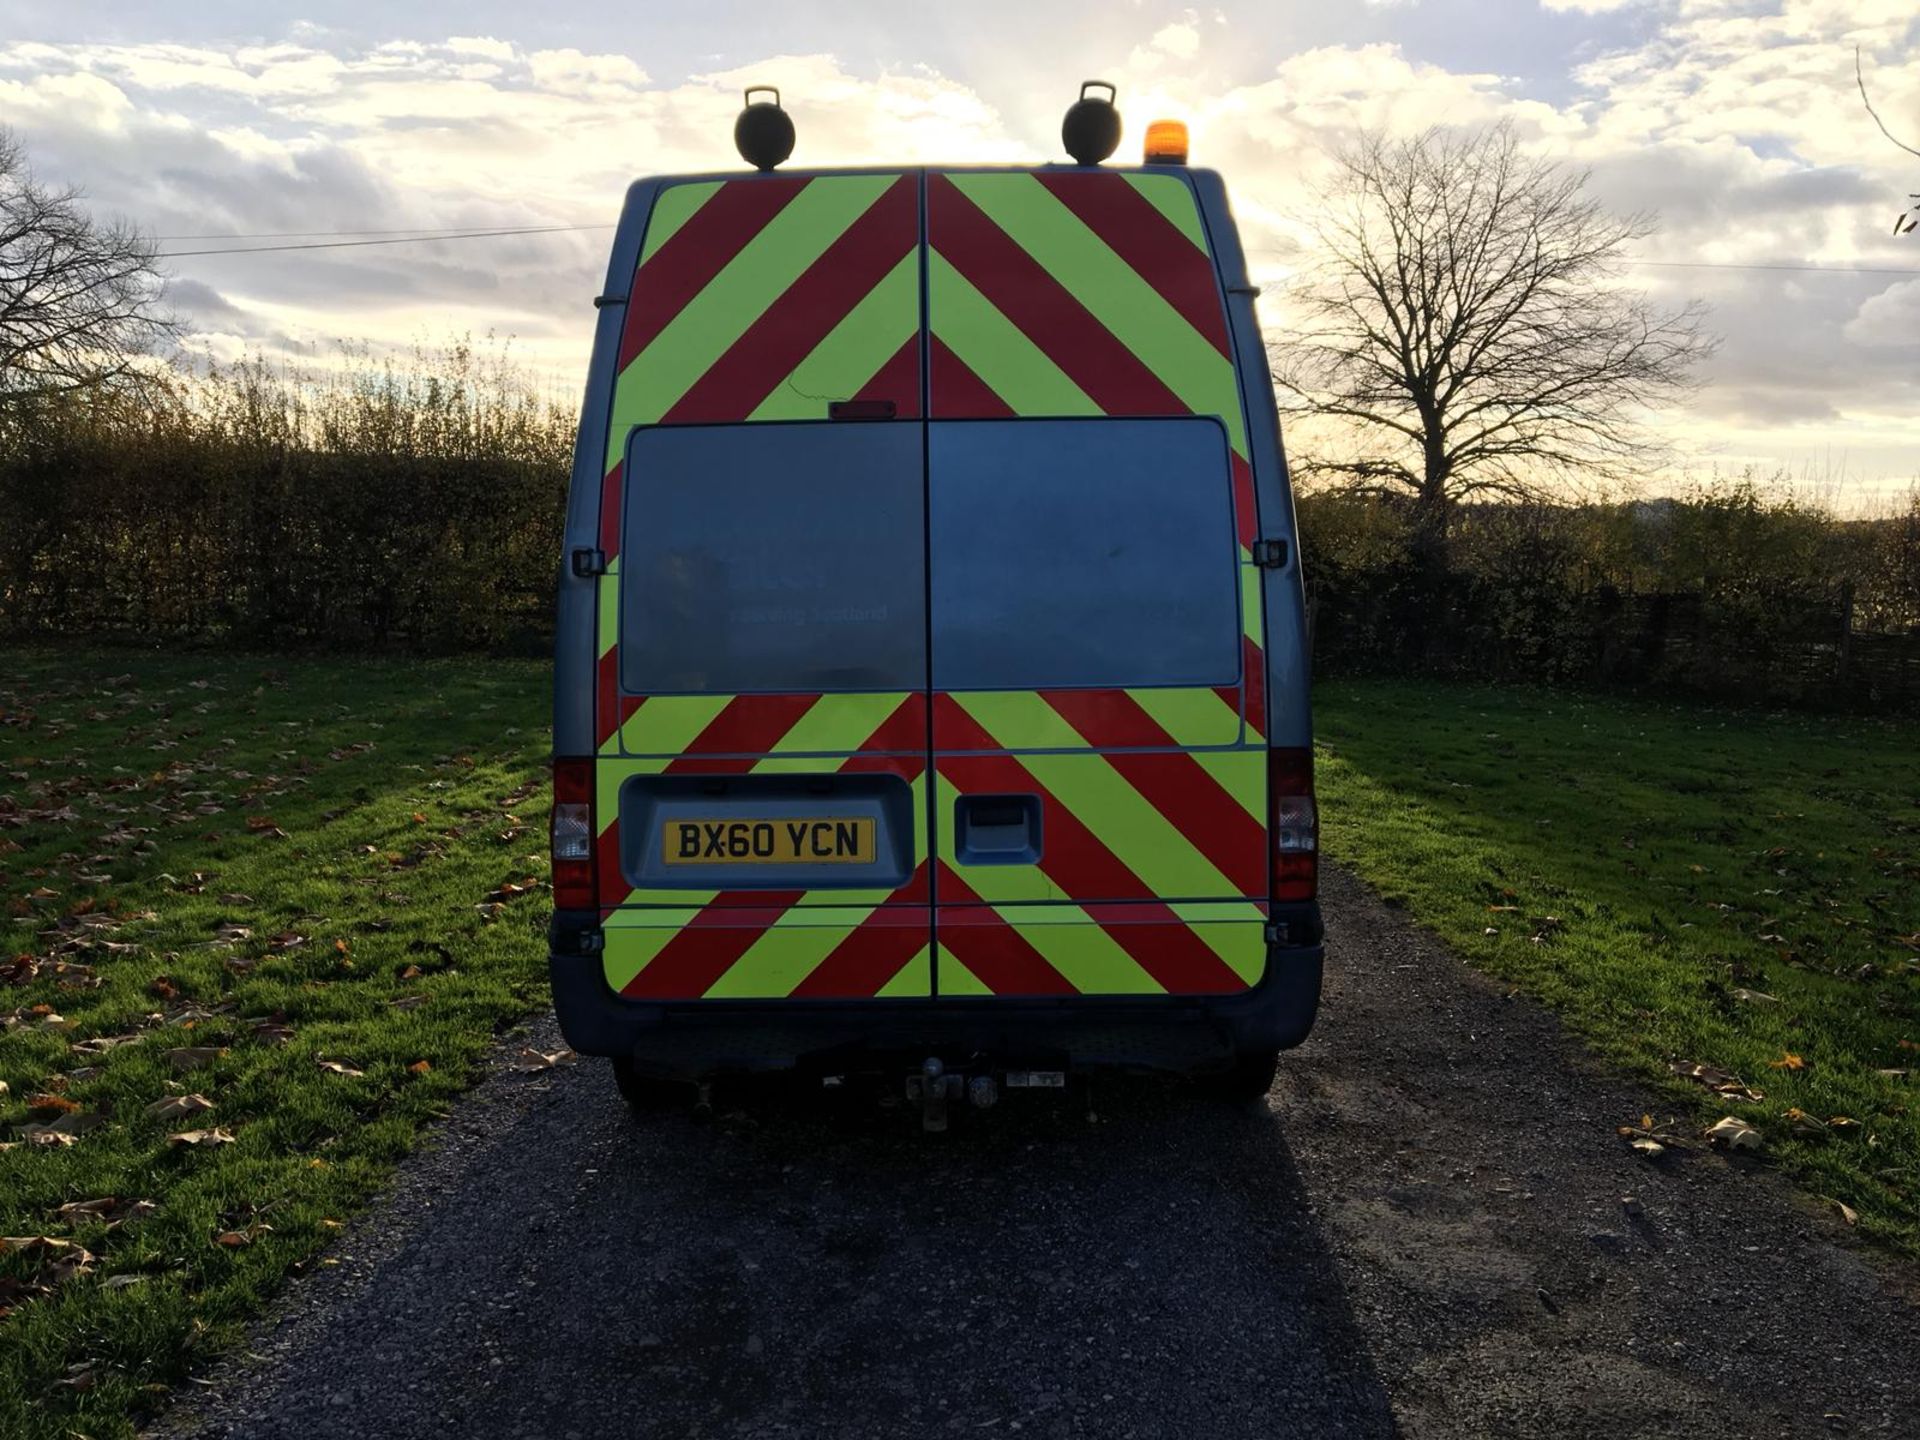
point(935, 1088)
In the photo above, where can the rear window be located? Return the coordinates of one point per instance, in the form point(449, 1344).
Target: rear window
point(1082, 553)
point(774, 557)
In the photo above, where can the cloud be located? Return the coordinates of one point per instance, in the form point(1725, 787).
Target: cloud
point(320, 135)
point(1181, 41)
point(485, 45)
point(1740, 129)
point(1889, 320)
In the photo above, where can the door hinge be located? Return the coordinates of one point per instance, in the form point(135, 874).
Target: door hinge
point(587, 563)
point(1270, 554)
point(601, 302)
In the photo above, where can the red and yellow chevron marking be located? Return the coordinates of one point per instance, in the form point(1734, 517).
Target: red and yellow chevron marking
point(848, 953)
point(1086, 294)
point(757, 299)
point(764, 944)
point(762, 735)
point(1039, 950)
point(1121, 824)
point(766, 298)
point(1181, 717)
point(1068, 294)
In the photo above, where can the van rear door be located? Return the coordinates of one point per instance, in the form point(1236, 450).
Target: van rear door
point(1097, 672)
point(762, 785)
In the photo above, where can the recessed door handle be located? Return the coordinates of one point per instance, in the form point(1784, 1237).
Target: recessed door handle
point(997, 829)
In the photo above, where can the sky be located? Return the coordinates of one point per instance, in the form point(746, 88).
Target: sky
point(1736, 122)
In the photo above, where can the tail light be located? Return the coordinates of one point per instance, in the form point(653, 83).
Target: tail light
point(1293, 825)
point(573, 839)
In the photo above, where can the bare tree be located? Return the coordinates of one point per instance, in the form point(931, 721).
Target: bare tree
point(80, 301)
point(1466, 323)
point(1902, 226)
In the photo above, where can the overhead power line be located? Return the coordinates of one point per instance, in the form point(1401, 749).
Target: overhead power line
point(1804, 267)
point(423, 235)
point(424, 231)
point(1773, 265)
point(398, 240)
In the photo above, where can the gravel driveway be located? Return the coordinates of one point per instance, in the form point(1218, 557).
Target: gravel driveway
point(1425, 1234)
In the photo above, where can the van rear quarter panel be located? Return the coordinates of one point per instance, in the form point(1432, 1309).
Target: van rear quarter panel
point(1044, 293)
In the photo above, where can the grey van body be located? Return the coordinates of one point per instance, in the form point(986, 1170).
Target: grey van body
point(979, 909)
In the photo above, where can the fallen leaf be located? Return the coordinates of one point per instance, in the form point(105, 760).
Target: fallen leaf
point(49, 1262)
point(407, 1002)
point(1804, 1124)
point(531, 1059)
point(1734, 1133)
point(216, 1136)
point(100, 1044)
point(49, 1105)
point(163, 987)
point(1718, 1081)
point(112, 1210)
point(1787, 1061)
point(338, 1067)
point(1847, 1212)
point(76, 1122)
point(179, 1107)
point(235, 1239)
point(419, 1067)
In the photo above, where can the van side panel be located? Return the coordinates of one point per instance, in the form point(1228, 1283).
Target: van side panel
point(757, 299)
point(1095, 293)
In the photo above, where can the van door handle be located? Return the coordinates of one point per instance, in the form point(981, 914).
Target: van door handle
point(997, 829)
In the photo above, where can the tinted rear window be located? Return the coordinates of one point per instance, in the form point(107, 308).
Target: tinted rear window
point(1082, 553)
point(774, 557)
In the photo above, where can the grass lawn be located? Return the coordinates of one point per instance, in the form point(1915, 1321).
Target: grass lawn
point(282, 907)
point(1685, 886)
point(297, 891)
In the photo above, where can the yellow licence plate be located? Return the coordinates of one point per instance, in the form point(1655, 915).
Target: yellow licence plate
point(824, 841)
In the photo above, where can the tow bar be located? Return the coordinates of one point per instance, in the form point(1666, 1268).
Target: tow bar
point(936, 1088)
point(933, 1087)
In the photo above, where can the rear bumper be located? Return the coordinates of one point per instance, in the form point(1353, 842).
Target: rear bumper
point(1181, 1034)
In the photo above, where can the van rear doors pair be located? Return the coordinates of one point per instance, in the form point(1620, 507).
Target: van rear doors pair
point(929, 640)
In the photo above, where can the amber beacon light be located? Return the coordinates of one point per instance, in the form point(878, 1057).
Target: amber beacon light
point(1167, 142)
